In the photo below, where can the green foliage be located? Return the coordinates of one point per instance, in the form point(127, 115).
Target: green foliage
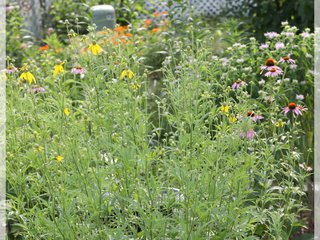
point(99, 155)
point(64, 17)
point(14, 39)
point(266, 15)
point(79, 20)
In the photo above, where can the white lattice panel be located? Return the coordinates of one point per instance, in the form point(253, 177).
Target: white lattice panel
point(205, 7)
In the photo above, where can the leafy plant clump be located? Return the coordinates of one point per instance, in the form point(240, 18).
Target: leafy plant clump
point(205, 144)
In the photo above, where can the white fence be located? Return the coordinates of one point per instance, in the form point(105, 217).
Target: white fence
point(203, 7)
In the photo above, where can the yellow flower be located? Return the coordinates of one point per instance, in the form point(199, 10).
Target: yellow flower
point(59, 158)
point(135, 86)
point(232, 119)
point(224, 108)
point(126, 73)
point(95, 48)
point(28, 76)
point(71, 33)
point(279, 123)
point(38, 148)
point(66, 111)
point(58, 69)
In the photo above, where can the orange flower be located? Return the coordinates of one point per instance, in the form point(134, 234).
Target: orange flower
point(156, 14)
point(121, 29)
point(147, 22)
point(44, 47)
point(155, 30)
point(123, 37)
point(165, 13)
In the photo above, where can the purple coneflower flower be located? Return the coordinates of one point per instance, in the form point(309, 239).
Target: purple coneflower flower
point(36, 89)
point(78, 70)
point(279, 45)
point(270, 62)
point(11, 69)
point(237, 84)
point(248, 134)
point(299, 97)
point(271, 35)
point(287, 59)
point(294, 108)
point(274, 72)
point(254, 117)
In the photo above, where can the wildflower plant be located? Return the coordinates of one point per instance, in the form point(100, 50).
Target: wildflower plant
point(204, 147)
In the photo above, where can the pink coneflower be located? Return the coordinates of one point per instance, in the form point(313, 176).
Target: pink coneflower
point(279, 45)
point(299, 97)
point(294, 108)
point(270, 62)
point(11, 69)
point(254, 117)
point(274, 72)
point(264, 46)
point(36, 89)
point(248, 134)
point(287, 59)
point(237, 84)
point(271, 35)
point(50, 30)
point(78, 70)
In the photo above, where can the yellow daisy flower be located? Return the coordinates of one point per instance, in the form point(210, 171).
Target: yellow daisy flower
point(135, 86)
point(232, 119)
point(127, 73)
point(95, 48)
point(59, 158)
point(279, 123)
point(58, 69)
point(66, 111)
point(224, 108)
point(28, 76)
